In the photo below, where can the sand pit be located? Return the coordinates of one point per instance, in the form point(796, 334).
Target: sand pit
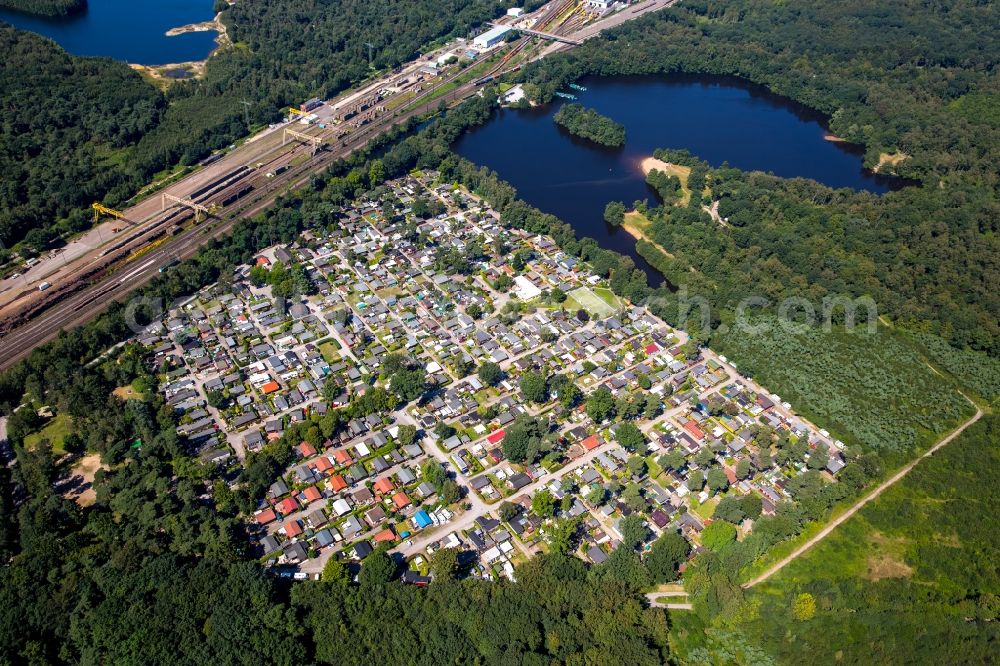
point(79, 485)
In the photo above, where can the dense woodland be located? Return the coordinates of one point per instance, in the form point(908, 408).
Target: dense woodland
point(896, 77)
point(46, 7)
point(75, 130)
point(65, 124)
point(589, 124)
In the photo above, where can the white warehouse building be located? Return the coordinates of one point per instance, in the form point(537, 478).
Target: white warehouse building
point(491, 37)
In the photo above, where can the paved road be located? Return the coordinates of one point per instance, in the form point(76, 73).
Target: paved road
point(863, 501)
point(467, 519)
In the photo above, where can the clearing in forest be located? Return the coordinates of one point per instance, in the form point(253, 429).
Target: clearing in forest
point(79, 486)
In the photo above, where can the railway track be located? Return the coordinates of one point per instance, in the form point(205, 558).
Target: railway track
point(93, 288)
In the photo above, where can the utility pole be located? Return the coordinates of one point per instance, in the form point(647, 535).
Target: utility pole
point(246, 112)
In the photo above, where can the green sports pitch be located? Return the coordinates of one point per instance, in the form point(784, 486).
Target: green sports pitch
point(591, 302)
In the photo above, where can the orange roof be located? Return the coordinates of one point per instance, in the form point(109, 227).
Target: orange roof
point(401, 500)
point(591, 442)
point(306, 450)
point(322, 464)
point(292, 528)
point(337, 483)
point(342, 457)
point(266, 516)
point(730, 474)
point(695, 431)
point(384, 485)
point(270, 387)
point(385, 535)
point(312, 494)
point(262, 261)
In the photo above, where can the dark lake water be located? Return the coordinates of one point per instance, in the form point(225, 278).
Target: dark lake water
point(719, 120)
point(127, 30)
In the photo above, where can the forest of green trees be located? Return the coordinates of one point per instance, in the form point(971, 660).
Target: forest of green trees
point(589, 124)
point(46, 7)
point(65, 125)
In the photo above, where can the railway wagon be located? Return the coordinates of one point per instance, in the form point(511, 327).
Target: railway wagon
point(238, 194)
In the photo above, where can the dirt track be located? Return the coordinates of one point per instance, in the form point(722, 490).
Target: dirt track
point(888, 483)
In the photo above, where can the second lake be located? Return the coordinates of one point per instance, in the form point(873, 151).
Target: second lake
point(716, 119)
point(126, 30)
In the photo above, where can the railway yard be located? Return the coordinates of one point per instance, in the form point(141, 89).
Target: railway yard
point(72, 285)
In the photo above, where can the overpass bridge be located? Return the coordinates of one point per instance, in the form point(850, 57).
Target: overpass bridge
point(544, 35)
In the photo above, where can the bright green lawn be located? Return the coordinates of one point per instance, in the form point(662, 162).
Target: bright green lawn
point(55, 431)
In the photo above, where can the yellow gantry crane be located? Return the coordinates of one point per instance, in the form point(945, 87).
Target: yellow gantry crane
point(100, 209)
point(297, 112)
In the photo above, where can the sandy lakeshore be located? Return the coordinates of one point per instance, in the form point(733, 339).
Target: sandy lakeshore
point(650, 163)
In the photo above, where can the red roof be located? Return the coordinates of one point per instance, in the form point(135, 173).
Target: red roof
point(292, 528)
point(342, 457)
point(591, 442)
point(652, 349)
point(266, 516)
point(695, 431)
point(337, 483)
point(385, 535)
point(730, 474)
point(401, 500)
point(270, 387)
point(287, 505)
point(306, 450)
point(496, 437)
point(384, 485)
point(262, 261)
point(312, 494)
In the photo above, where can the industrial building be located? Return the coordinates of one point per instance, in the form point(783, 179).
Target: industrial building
point(491, 37)
point(310, 104)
